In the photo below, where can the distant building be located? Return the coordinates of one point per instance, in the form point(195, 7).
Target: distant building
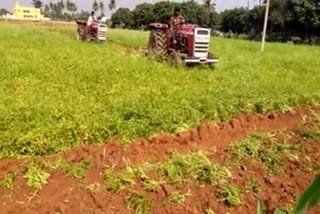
point(29, 13)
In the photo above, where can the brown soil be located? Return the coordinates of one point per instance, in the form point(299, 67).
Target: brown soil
point(64, 194)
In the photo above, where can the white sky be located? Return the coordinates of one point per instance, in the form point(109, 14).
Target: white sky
point(85, 4)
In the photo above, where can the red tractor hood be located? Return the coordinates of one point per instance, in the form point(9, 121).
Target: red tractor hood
point(187, 29)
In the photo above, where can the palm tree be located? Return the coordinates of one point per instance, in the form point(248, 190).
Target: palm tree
point(47, 10)
point(71, 7)
point(101, 7)
point(95, 6)
point(210, 4)
point(112, 5)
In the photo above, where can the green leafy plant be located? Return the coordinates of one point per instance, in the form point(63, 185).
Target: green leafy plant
point(76, 170)
point(178, 198)
point(317, 118)
point(138, 203)
point(117, 181)
point(310, 133)
point(8, 181)
point(195, 166)
point(309, 198)
point(254, 185)
point(36, 175)
point(263, 148)
point(230, 194)
point(260, 209)
point(150, 185)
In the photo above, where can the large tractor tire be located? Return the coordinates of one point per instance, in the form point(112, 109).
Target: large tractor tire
point(81, 33)
point(158, 43)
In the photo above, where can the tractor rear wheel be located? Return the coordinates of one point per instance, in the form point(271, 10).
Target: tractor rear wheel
point(81, 33)
point(158, 43)
point(174, 58)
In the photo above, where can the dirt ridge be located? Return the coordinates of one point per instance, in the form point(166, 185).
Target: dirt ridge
point(206, 136)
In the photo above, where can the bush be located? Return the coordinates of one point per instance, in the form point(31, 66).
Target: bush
point(296, 40)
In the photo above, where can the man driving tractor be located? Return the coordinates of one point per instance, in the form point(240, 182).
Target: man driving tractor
point(175, 22)
point(91, 20)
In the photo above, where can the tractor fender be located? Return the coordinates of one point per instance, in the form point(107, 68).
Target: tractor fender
point(158, 26)
point(81, 22)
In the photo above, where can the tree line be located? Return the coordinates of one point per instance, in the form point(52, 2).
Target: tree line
point(68, 9)
point(289, 20)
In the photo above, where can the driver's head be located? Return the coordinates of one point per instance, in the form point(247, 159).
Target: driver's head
point(92, 13)
point(177, 11)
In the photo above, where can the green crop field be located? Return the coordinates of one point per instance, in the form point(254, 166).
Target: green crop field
point(57, 93)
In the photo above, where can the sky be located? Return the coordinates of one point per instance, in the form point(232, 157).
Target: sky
point(86, 4)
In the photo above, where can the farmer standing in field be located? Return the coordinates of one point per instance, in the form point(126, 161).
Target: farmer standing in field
point(175, 22)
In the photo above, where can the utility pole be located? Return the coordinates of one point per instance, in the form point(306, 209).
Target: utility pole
point(265, 25)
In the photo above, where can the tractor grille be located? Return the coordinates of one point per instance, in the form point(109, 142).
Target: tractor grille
point(201, 43)
point(102, 33)
point(201, 47)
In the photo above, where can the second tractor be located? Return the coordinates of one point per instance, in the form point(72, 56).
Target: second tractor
point(97, 32)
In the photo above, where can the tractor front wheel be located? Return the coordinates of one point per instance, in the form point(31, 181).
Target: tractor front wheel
point(158, 43)
point(174, 58)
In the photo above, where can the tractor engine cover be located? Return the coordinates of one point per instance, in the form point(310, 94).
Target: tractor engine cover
point(186, 35)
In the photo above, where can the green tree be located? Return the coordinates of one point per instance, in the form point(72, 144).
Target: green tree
point(254, 22)
point(46, 10)
point(3, 11)
point(204, 16)
point(234, 20)
point(190, 10)
point(143, 15)
point(210, 4)
point(71, 9)
point(56, 9)
point(303, 17)
point(101, 7)
point(122, 18)
point(164, 10)
point(112, 5)
point(37, 3)
point(95, 6)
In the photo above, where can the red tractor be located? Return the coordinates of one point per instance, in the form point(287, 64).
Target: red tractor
point(97, 32)
point(189, 44)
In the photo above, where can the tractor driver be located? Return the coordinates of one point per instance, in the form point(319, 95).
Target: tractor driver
point(175, 22)
point(91, 20)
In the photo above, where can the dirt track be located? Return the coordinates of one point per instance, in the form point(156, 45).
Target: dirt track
point(64, 194)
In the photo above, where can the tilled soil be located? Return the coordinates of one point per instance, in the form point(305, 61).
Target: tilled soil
point(66, 194)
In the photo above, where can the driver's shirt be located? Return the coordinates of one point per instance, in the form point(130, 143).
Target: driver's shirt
point(91, 20)
point(176, 22)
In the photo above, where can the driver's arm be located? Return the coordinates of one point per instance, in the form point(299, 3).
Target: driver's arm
point(182, 20)
point(171, 23)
